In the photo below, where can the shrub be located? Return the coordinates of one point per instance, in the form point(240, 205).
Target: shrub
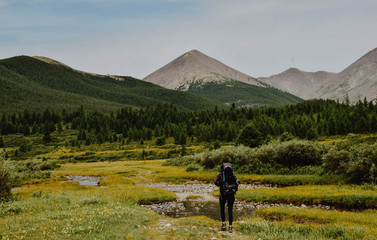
point(276, 157)
point(298, 153)
point(286, 136)
point(356, 162)
point(5, 182)
point(192, 168)
point(336, 161)
point(160, 141)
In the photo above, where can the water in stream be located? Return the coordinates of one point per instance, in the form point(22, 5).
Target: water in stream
point(178, 209)
point(84, 180)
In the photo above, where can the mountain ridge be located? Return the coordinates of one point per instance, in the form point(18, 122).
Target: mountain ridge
point(357, 81)
point(195, 65)
point(198, 73)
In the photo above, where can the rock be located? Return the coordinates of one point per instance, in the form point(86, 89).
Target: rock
point(167, 225)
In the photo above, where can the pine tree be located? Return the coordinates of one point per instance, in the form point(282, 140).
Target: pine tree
point(46, 132)
point(60, 127)
point(250, 136)
point(2, 144)
point(183, 150)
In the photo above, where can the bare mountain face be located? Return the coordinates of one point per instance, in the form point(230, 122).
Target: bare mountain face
point(195, 67)
point(359, 80)
point(204, 76)
point(306, 85)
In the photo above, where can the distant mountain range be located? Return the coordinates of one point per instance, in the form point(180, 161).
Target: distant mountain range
point(192, 81)
point(358, 81)
point(198, 73)
point(35, 83)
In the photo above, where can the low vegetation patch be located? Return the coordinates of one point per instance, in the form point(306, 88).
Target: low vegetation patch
point(345, 197)
point(366, 221)
point(272, 230)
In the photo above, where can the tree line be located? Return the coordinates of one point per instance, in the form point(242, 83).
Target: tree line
point(306, 120)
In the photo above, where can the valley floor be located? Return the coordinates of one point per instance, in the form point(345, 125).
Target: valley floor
point(119, 208)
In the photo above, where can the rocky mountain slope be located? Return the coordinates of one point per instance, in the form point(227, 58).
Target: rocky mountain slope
point(306, 85)
point(195, 66)
point(200, 74)
point(358, 81)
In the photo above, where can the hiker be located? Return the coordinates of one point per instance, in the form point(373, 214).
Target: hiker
point(228, 184)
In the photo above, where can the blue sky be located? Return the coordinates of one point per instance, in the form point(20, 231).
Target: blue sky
point(136, 37)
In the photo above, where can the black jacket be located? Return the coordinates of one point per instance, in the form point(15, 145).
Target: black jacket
point(230, 179)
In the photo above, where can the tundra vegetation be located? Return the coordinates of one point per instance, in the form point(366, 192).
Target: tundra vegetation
point(317, 153)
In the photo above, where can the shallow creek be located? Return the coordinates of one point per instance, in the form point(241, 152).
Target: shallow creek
point(202, 204)
point(84, 180)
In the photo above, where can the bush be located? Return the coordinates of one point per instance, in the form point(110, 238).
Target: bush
point(25, 170)
point(5, 182)
point(356, 162)
point(276, 157)
point(160, 141)
point(298, 153)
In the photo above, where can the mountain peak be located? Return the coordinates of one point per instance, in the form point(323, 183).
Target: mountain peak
point(195, 66)
point(194, 51)
point(292, 70)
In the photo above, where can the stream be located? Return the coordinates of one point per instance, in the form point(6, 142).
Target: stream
point(84, 180)
point(195, 200)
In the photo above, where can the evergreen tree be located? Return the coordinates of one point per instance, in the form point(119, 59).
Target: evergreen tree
point(26, 130)
point(250, 136)
point(47, 133)
point(182, 138)
point(35, 128)
point(183, 150)
point(60, 127)
point(2, 144)
point(216, 144)
point(312, 134)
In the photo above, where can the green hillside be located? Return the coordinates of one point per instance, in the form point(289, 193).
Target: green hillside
point(243, 94)
point(27, 82)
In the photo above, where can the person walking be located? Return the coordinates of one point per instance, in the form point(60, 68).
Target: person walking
point(228, 184)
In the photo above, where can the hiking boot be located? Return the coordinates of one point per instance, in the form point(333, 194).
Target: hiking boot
point(230, 229)
point(223, 227)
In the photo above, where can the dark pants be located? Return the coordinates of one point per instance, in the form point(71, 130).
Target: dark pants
point(230, 200)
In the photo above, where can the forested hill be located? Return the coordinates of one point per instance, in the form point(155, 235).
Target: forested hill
point(29, 83)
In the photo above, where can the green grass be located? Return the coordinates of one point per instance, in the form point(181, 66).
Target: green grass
point(55, 208)
point(316, 223)
point(346, 196)
point(287, 180)
point(73, 216)
point(280, 231)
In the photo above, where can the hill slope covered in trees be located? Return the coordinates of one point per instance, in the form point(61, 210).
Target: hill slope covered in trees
point(30, 83)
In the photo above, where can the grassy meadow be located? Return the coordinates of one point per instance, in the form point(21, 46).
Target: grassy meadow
point(51, 207)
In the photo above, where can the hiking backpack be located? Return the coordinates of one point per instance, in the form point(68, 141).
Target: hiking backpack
point(228, 189)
